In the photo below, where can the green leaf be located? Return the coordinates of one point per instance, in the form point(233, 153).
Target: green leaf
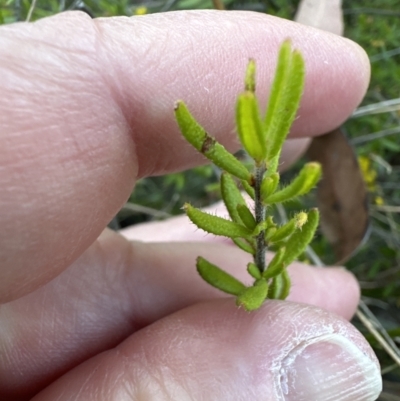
point(244, 245)
point(285, 96)
point(253, 271)
point(249, 126)
point(231, 196)
point(289, 228)
point(246, 216)
point(269, 185)
point(226, 161)
point(218, 278)
point(278, 86)
point(260, 227)
point(253, 297)
point(207, 145)
point(275, 266)
point(250, 79)
point(303, 183)
point(249, 189)
point(272, 165)
point(282, 232)
point(268, 225)
point(280, 286)
point(214, 224)
point(298, 242)
point(193, 132)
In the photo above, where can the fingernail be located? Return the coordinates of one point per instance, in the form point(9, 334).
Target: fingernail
point(329, 368)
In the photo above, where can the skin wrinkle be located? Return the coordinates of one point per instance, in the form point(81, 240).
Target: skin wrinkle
point(357, 390)
point(312, 333)
point(202, 323)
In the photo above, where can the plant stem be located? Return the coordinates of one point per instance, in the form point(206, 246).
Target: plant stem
point(259, 257)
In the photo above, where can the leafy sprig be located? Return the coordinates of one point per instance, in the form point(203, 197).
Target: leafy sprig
point(262, 138)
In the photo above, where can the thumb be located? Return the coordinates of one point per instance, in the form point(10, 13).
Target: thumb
point(215, 351)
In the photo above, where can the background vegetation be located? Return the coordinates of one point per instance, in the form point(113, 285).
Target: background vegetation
point(374, 133)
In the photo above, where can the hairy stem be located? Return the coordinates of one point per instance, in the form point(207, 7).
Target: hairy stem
point(259, 257)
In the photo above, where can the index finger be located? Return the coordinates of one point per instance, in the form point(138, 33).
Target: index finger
point(87, 108)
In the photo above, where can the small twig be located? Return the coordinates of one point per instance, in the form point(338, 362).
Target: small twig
point(218, 4)
point(259, 257)
point(373, 325)
point(376, 108)
point(386, 208)
point(389, 368)
point(382, 162)
point(376, 135)
point(168, 5)
point(17, 10)
point(61, 6)
point(385, 55)
point(30, 12)
point(147, 210)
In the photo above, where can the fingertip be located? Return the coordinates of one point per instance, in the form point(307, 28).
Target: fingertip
point(334, 289)
point(284, 351)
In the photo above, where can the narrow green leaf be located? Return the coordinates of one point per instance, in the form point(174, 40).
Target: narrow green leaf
point(231, 196)
point(246, 216)
point(275, 266)
point(269, 185)
point(287, 283)
point(260, 227)
point(283, 232)
point(268, 225)
point(207, 145)
point(250, 79)
point(278, 87)
point(269, 232)
point(253, 271)
point(218, 278)
point(226, 161)
point(286, 92)
point(303, 183)
point(253, 297)
point(298, 242)
point(249, 189)
point(214, 224)
point(272, 166)
point(249, 126)
point(280, 286)
point(193, 132)
point(244, 245)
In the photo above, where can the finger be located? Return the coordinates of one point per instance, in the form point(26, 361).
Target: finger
point(82, 120)
point(214, 351)
point(292, 150)
point(117, 288)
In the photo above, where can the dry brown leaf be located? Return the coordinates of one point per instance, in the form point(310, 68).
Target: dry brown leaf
point(342, 196)
point(323, 14)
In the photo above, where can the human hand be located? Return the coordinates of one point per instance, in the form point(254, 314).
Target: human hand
point(87, 109)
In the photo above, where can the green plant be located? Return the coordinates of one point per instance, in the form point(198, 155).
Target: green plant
point(263, 139)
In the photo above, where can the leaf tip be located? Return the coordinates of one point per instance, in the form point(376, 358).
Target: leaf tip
point(177, 104)
point(301, 219)
point(250, 79)
point(186, 206)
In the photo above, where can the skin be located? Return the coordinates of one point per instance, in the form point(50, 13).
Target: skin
point(86, 110)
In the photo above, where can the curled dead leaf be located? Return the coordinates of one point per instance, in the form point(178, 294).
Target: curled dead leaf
point(341, 195)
